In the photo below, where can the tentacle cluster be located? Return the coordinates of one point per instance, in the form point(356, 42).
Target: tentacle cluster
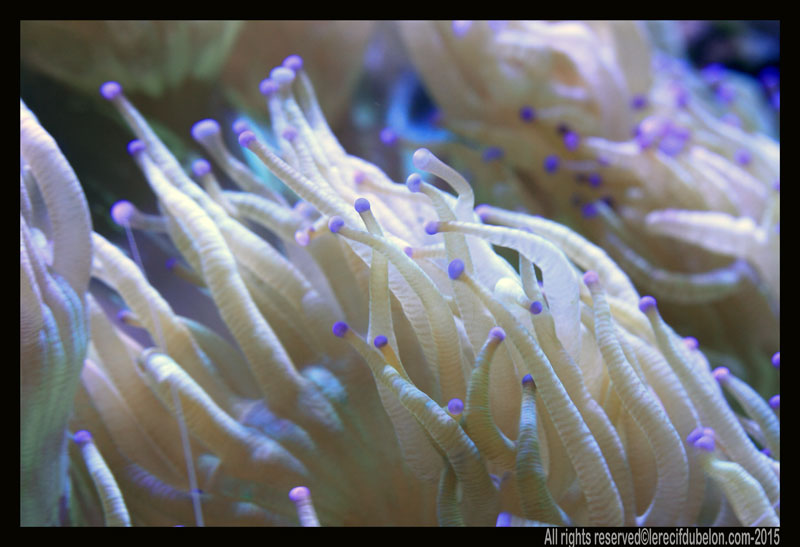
point(674, 172)
point(54, 259)
point(380, 363)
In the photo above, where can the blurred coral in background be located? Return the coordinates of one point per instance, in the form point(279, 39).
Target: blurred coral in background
point(674, 171)
point(147, 56)
point(154, 57)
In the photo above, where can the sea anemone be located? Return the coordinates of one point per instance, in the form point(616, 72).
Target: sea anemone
point(379, 363)
point(674, 172)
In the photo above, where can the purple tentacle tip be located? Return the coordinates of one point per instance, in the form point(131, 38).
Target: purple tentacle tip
point(721, 374)
point(527, 114)
point(776, 360)
point(767, 452)
point(282, 75)
point(136, 147)
point(413, 182)
point(591, 278)
point(335, 224)
point(648, 130)
point(339, 328)
point(455, 406)
point(201, 167)
point(589, 210)
point(775, 402)
point(246, 137)
point(388, 136)
point(551, 164)
point(527, 380)
point(536, 307)
point(82, 437)
point(672, 145)
point(380, 341)
point(299, 493)
point(704, 434)
point(492, 153)
point(268, 86)
point(571, 140)
point(497, 333)
point(239, 126)
point(409, 251)
point(595, 180)
point(290, 133)
point(691, 342)
point(647, 303)
point(204, 129)
point(460, 28)
point(743, 157)
point(110, 90)
point(638, 102)
point(122, 211)
point(304, 208)
point(302, 237)
point(705, 443)
point(361, 205)
point(293, 62)
point(696, 433)
point(713, 73)
point(359, 177)
point(432, 227)
point(455, 268)
point(482, 211)
point(503, 520)
point(422, 158)
point(170, 263)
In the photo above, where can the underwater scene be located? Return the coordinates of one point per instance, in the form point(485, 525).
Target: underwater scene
point(400, 273)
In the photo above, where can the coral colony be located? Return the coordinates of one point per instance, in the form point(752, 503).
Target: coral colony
point(671, 171)
point(380, 363)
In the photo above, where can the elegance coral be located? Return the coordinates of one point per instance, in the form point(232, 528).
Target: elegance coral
point(673, 172)
point(550, 391)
